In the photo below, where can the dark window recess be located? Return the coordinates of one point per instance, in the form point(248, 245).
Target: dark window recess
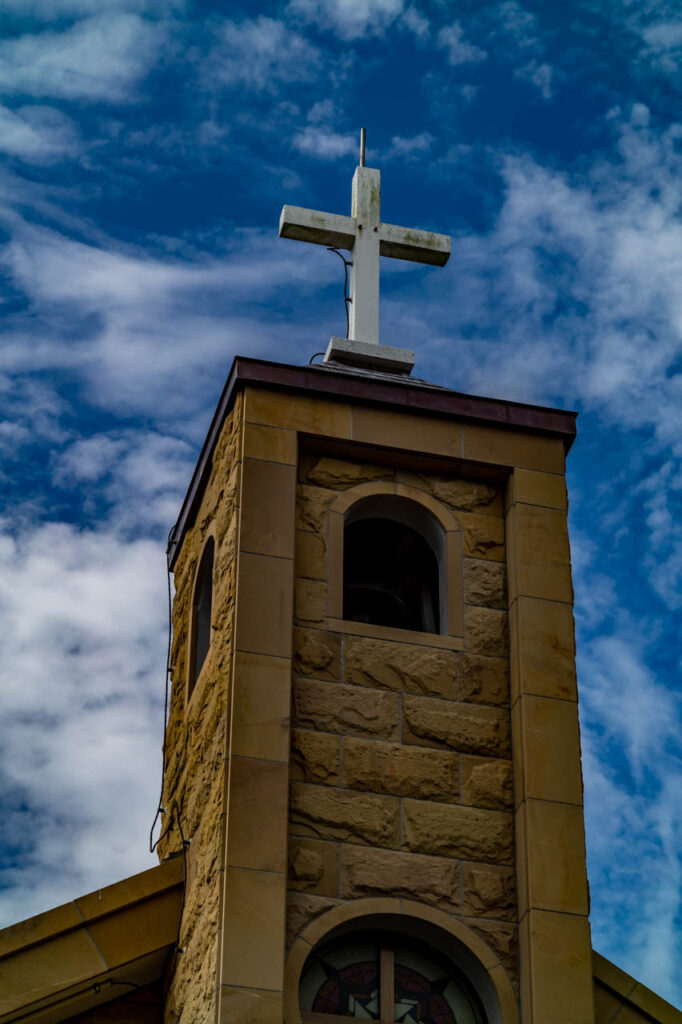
point(201, 612)
point(390, 576)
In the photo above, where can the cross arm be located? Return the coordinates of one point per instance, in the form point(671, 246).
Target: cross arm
point(314, 226)
point(414, 244)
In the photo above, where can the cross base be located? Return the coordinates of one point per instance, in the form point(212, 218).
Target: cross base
point(369, 356)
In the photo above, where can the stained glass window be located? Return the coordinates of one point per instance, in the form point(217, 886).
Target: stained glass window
point(390, 982)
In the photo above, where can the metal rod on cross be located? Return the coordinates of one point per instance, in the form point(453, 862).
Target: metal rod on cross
point(363, 139)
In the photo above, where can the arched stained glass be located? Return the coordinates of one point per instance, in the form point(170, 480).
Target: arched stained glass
point(391, 982)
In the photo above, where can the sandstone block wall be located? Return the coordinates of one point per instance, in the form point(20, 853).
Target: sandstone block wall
point(400, 771)
point(197, 736)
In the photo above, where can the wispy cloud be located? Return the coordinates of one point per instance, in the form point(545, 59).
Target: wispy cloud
point(37, 134)
point(260, 54)
point(103, 57)
point(459, 51)
point(353, 19)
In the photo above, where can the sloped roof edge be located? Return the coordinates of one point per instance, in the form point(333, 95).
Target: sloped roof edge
point(633, 993)
point(92, 950)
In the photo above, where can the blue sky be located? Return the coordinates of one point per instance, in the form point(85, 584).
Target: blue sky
point(148, 147)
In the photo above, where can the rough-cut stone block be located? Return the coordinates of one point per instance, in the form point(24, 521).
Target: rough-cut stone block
point(302, 907)
point(396, 666)
point(485, 631)
point(459, 495)
point(312, 505)
point(311, 556)
point(488, 891)
point(485, 583)
point(314, 757)
point(483, 679)
point(316, 653)
point(400, 770)
point(339, 474)
point(482, 536)
point(367, 872)
point(340, 814)
point(471, 728)
point(310, 605)
point(331, 707)
point(486, 782)
point(313, 866)
point(449, 830)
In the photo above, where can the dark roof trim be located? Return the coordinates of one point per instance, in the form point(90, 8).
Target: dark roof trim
point(398, 393)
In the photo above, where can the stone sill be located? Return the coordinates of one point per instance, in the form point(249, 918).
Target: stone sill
point(401, 636)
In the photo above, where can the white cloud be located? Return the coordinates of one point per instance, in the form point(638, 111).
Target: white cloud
point(663, 41)
point(406, 148)
point(353, 19)
point(83, 616)
point(140, 475)
point(103, 57)
point(325, 143)
point(459, 51)
point(37, 134)
point(159, 330)
point(416, 22)
point(260, 54)
point(540, 75)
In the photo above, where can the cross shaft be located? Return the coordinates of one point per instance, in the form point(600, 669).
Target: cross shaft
point(364, 235)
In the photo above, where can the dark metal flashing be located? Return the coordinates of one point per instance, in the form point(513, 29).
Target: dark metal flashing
point(369, 388)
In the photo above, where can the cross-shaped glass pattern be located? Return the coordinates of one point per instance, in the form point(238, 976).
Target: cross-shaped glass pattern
point(387, 982)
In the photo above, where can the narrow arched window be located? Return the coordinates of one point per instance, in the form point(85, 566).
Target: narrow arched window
point(201, 615)
point(393, 554)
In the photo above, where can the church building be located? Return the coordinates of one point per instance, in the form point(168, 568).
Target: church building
point(373, 802)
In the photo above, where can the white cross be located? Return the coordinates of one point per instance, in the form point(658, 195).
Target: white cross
point(367, 239)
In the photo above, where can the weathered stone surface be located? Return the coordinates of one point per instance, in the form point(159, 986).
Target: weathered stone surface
point(471, 728)
point(340, 475)
point(485, 583)
point(503, 939)
point(340, 814)
point(486, 782)
point(314, 757)
point(460, 495)
point(488, 891)
point(310, 604)
point(368, 872)
point(312, 505)
point(302, 907)
point(482, 536)
point(313, 866)
point(400, 770)
point(485, 631)
point(311, 555)
point(450, 830)
point(316, 653)
point(483, 679)
point(331, 707)
point(306, 867)
point(195, 776)
point(405, 667)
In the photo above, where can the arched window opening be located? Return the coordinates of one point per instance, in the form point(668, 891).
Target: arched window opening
point(387, 978)
point(391, 572)
point(201, 615)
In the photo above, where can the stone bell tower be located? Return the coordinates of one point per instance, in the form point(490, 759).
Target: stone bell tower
point(368, 736)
